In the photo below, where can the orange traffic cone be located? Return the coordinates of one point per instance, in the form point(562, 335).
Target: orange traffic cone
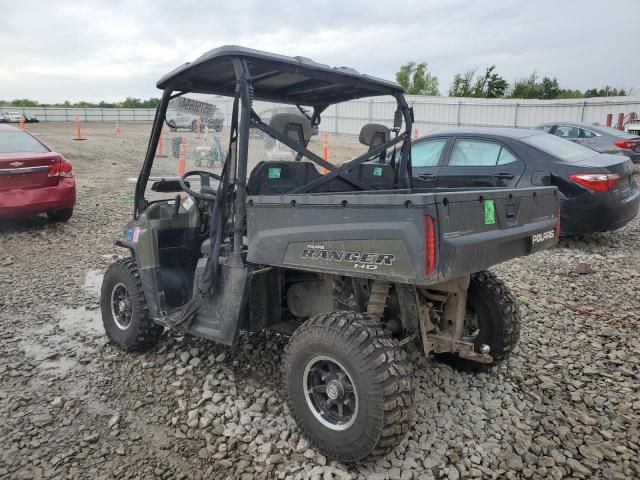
point(325, 151)
point(22, 121)
point(182, 161)
point(117, 128)
point(415, 133)
point(78, 133)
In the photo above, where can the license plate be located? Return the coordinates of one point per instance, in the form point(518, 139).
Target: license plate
point(542, 240)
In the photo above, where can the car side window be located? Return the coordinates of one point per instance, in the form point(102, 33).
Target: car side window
point(474, 153)
point(506, 157)
point(544, 128)
point(586, 133)
point(427, 153)
point(567, 131)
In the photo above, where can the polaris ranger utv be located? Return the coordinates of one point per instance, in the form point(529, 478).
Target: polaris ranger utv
point(351, 261)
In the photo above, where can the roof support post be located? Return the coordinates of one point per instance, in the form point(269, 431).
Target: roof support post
point(243, 77)
point(403, 174)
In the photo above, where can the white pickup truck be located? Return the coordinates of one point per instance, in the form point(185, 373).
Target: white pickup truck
point(12, 117)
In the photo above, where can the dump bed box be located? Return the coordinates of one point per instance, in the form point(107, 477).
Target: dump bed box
point(417, 238)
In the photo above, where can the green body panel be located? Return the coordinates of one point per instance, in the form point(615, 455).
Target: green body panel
point(157, 217)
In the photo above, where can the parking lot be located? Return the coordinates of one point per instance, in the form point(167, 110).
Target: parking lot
point(566, 404)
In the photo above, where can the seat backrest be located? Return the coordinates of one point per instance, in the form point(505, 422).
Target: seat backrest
point(295, 126)
point(278, 177)
point(374, 134)
point(378, 176)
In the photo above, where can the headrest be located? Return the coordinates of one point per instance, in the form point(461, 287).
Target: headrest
point(373, 134)
point(293, 125)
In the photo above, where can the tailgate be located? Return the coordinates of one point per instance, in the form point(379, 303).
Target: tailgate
point(479, 229)
point(26, 170)
point(383, 234)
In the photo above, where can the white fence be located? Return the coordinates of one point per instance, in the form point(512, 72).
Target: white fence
point(85, 114)
point(430, 112)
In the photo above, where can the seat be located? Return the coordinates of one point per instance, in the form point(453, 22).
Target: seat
point(379, 176)
point(276, 177)
point(374, 134)
point(280, 177)
point(295, 126)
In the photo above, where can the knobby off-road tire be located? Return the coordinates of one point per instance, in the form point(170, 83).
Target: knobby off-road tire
point(375, 375)
point(62, 215)
point(125, 314)
point(498, 318)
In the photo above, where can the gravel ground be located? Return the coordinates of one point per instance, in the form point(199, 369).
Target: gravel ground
point(567, 404)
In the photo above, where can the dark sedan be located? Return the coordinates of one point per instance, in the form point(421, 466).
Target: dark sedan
point(600, 138)
point(598, 192)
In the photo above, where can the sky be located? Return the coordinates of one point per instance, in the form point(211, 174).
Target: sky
point(86, 50)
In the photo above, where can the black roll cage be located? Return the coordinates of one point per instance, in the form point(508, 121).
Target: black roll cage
point(239, 147)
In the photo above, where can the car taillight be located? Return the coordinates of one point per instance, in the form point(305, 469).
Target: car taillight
point(66, 169)
point(429, 246)
point(60, 167)
point(54, 168)
point(626, 144)
point(600, 182)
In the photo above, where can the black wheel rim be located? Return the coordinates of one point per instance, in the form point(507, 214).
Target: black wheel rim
point(330, 392)
point(121, 309)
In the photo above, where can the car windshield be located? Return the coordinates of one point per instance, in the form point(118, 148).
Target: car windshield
point(614, 132)
point(563, 149)
point(15, 141)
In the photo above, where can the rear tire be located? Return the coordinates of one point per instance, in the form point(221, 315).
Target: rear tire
point(62, 215)
point(369, 377)
point(125, 314)
point(498, 321)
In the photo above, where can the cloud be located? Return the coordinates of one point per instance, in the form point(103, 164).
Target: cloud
point(109, 50)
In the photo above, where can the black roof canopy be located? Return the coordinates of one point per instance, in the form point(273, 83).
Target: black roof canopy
point(279, 78)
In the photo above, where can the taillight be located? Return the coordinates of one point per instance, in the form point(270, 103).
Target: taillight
point(600, 182)
point(429, 246)
point(66, 169)
point(60, 167)
point(54, 168)
point(626, 144)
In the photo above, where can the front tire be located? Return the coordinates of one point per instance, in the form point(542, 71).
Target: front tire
point(125, 314)
point(62, 215)
point(348, 386)
point(492, 318)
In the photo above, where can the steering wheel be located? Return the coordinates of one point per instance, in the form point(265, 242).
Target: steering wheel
point(204, 182)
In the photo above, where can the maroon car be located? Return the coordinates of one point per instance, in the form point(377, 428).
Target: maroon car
point(33, 178)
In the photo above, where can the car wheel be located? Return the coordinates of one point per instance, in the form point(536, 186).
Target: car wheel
point(172, 126)
point(348, 386)
point(125, 314)
point(62, 215)
point(492, 318)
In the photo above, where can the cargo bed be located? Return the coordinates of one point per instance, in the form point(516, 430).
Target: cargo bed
point(419, 238)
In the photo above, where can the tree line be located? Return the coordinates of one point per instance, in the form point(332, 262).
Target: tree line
point(130, 102)
point(416, 79)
